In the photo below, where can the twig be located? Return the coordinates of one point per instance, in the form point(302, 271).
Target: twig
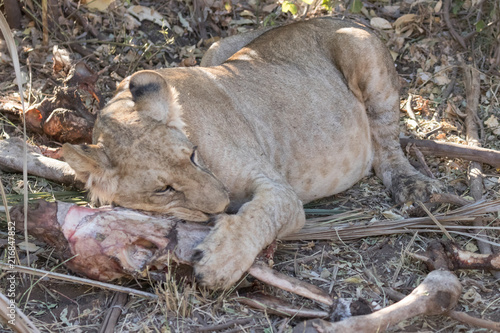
point(70, 10)
point(475, 322)
point(408, 108)
point(449, 198)
point(421, 160)
point(78, 280)
point(220, 327)
point(451, 85)
point(271, 304)
point(453, 150)
point(20, 323)
point(45, 23)
point(437, 129)
point(453, 32)
point(390, 292)
point(113, 313)
point(269, 276)
point(433, 218)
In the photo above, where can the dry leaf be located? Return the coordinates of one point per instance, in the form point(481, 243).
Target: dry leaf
point(27, 246)
point(438, 6)
point(100, 5)
point(130, 22)
point(405, 20)
point(145, 13)
point(188, 62)
point(491, 122)
point(269, 8)
point(441, 79)
point(391, 215)
point(380, 23)
point(247, 13)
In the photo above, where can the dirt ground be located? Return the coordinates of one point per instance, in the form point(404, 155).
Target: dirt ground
point(431, 42)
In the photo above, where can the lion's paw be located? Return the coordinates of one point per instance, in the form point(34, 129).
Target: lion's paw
point(413, 188)
point(225, 254)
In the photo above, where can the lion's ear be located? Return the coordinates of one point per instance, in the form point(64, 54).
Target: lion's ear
point(155, 98)
point(86, 160)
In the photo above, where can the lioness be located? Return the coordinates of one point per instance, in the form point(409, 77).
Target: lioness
point(299, 113)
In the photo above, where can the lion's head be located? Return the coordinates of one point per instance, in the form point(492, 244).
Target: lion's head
point(141, 157)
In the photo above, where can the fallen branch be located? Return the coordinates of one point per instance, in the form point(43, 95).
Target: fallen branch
point(453, 150)
point(447, 255)
point(11, 152)
point(472, 121)
point(113, 313)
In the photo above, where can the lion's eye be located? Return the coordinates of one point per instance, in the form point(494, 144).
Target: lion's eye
point(166, 189)
point(193, 156)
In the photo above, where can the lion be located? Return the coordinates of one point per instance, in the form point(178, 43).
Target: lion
point(273, 120)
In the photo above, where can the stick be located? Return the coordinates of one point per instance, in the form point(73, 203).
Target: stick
point(269, 276)
point(453, 150)
point(453, 32)
point(114, 312)
point(271, 304)
point(14, 318)
point(421, 159)
point(447, 255)
point(472, 88)
point(475, 322)
point(11, 152)
point(76, 279)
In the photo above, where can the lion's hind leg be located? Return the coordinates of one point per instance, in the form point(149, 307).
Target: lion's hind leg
point(371, 75)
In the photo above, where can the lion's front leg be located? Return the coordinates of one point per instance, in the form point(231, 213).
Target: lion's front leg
point(236, 240)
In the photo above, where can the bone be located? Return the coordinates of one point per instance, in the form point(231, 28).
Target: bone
point(108, 244)
point(437, 294)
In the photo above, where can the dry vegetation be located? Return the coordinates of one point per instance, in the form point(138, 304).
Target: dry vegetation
point(434, 44)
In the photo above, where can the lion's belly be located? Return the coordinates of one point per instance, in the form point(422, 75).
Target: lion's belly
point(332, 160)
point(320, 141)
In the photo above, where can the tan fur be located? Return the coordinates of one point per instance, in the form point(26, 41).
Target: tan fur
point(296, 113)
